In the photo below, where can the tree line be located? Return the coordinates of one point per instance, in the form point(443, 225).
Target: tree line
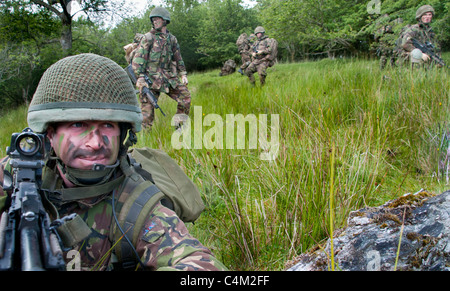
point(36, 33)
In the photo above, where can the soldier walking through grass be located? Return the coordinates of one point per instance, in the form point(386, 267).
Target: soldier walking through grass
point(158, 56)
point(263, 56)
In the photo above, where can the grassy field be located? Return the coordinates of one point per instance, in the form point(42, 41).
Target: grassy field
point(348, 133)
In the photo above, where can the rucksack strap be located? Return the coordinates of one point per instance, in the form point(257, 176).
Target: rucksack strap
point(132, 217)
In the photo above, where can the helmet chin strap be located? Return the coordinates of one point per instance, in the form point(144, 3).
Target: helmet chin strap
point(98, 175)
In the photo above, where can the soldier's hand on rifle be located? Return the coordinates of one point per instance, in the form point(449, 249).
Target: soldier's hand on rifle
point(425, 57)
point(184, 79)
point(140, 83)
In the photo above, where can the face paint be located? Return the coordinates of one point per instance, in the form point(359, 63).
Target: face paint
point(83, 144)
point(114, 147)
point(85, 133)
point(57, 148)
point(105, 140)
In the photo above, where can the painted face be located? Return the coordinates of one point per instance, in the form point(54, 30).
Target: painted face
point(427, 17)
point(82, 144)
point(158, 22)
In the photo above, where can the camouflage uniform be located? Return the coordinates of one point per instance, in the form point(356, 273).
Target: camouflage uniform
point(164, 242)
point(76, 89)
point(244, 45)
point(419, 31)
point(159, 57)
point(260, 59)
point(385, 37)
point(423, 33)
point(229, 67)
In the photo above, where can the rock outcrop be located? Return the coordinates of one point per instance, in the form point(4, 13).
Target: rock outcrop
point(370, 242)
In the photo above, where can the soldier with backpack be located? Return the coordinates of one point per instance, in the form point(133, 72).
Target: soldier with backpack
point(159, 58)
point(244, 44)
point(129, 204)
point(229, 67)
point(264, 52)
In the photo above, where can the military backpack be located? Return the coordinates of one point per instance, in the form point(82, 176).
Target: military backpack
point(164, 181)
point(274, 51)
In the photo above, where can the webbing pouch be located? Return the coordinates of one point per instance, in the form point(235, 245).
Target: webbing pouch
point(71, 231)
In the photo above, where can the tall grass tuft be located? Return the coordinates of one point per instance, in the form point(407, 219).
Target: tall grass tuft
point(351, 136)
point(11, 121)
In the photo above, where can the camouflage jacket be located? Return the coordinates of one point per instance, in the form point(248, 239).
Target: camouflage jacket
point(159, 57)
point(263, 48)
point(164, 243)
point(421, 32)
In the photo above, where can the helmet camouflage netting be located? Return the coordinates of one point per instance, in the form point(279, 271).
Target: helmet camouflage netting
point(422, 10)
point(160, 12)
point(84, 87)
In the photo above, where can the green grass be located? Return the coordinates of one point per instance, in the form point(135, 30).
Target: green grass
point(375, 135)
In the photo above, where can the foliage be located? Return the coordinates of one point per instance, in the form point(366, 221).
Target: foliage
point(379, 132)
point(384, 128)
point(31, 32)
point(217, 35)
point(23, 40)
point(312, 28)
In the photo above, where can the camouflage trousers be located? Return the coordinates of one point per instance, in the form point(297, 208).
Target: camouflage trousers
point(384, 61)
point(260, 67)
point(181, 94)
point(246, 60)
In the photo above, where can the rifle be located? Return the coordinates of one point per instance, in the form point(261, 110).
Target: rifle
point(427, 48)
point(27, 241)
point(145, 91)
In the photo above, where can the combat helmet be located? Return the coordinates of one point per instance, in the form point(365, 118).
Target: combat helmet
point(87, 87)
point(84, 87)
point(160, 12)
point(422, 10)
point(259, 29)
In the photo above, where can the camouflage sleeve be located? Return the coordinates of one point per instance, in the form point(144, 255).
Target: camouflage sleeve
point(181, 68)
point(167, 245)
point(267, 47)
point(139, 63)
point(407, 44)
point(3, 194)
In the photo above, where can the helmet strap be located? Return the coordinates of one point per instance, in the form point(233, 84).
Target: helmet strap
point(97, 176)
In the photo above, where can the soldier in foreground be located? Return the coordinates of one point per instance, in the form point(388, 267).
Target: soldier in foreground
point(159, 58)
point(263, 56)
point(87, 107)
point(421, 32)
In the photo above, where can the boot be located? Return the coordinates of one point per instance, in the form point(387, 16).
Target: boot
point(262, 79)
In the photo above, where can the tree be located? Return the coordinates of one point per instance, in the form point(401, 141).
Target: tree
point(315, 26)
point(186, 14)
point(23, 37)
point(221, 24)
point(62, 9)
